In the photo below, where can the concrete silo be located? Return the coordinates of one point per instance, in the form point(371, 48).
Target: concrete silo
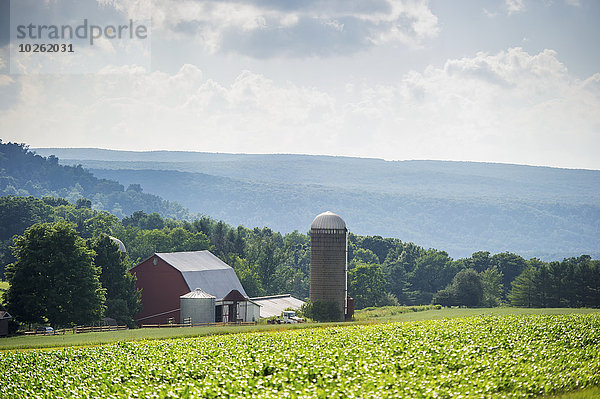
point(328, 260)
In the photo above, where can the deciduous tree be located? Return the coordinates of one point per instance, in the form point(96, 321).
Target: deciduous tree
point(54, 278)
point(123, 300)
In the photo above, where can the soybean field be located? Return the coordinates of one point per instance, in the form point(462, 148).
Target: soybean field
point(478, 357)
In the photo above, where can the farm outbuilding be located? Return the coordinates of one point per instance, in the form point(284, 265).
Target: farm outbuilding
point(235, 307)
point(4, 318)
point(165, 277)
point(273, 306)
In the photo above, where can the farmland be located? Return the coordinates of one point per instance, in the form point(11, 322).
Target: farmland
point(369, 315)
point(482, 356)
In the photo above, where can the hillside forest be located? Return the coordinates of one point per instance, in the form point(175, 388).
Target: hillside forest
point(461, 207)
point(382, 271)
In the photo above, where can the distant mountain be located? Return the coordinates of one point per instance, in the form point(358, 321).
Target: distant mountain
point(461, 207)
point(23, 173)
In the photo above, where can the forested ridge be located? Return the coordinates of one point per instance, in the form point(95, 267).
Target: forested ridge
point(24, 173)
point(462, 207)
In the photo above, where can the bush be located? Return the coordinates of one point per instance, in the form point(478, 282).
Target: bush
point(321, 311)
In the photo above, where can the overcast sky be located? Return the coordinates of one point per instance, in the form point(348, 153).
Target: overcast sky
point(515, 81)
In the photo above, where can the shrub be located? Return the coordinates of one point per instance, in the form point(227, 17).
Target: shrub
point(321, 311)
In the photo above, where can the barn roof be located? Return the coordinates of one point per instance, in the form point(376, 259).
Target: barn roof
point(202, 269)
point(274, 305)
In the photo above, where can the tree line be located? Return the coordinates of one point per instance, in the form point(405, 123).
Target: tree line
point(382, 271)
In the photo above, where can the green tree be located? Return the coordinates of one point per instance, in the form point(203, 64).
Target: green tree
point(510, 265)
point(366, 284)
point(434, 271)
point(524, 289)
point(396, 278)
point(83, 203)
point(468, 287)
point(123, 300)
point(54, 278)
point(479, 261)
point(248, 277)
point(446, 297)
point(466, 290)
point(491, 282)
point(361, 255)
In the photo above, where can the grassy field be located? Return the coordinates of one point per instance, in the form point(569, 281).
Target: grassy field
point(490, 356)
point(587, 393)
point(367, 316)
point(23, 342)
point(403, 313)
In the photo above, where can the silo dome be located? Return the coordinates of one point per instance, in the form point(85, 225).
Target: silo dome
point(328, 220)
point(119, 243)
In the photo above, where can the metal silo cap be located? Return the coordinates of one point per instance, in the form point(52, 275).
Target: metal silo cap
point(328, 220)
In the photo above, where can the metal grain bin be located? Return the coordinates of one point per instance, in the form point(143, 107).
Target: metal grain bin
point(328, 260)
point(197, 307)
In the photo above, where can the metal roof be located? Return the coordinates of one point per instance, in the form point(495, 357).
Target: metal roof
point(328, 220)
point(193, 261)
point(202, 269)
point(197, 293)
point(271, 306)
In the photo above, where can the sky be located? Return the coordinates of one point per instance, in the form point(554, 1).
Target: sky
point(514, 81)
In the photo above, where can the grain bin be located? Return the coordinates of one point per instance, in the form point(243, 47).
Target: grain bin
point(328, 265)
point(197, 307)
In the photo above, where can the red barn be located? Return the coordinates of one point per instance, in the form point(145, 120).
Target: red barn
point(164, 277)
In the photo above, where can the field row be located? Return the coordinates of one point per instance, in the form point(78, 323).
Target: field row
point(510, 356)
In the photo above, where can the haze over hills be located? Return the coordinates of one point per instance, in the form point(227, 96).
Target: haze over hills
point(460, 207)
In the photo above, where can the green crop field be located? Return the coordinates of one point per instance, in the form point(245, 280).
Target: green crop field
point(482, 356)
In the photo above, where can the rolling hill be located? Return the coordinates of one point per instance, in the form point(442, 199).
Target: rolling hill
point(460, 207)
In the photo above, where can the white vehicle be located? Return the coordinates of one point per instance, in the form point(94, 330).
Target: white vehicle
point(289, 316)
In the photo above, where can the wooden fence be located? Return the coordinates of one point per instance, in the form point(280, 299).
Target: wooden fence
point(173, 325)
point(78, 330)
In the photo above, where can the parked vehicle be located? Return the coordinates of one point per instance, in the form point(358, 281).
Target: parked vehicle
point(44, 330)
point(289, 317)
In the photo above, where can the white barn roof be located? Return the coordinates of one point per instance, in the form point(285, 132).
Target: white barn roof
point(202, 269)
point(273, 305)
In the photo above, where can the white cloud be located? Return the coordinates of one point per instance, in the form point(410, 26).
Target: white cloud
point(514, 6)
point(506, 107)
point(324, 27)
point(489, 14)
point(5, 80)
